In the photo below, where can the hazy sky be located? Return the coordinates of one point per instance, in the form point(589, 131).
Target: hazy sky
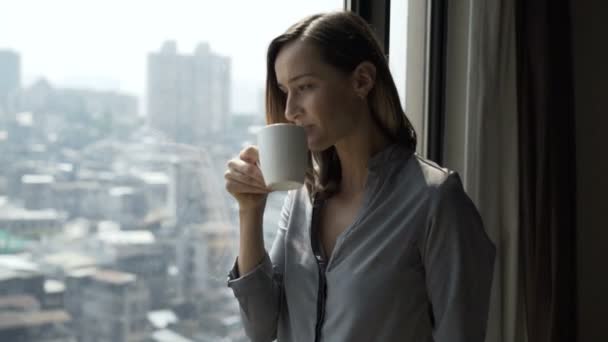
point(104, 43)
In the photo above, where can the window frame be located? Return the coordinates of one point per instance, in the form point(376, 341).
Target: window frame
point(425, 64)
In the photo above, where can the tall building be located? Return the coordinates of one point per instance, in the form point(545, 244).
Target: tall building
point(114, 307)
point(10, 76)
point(188, 95)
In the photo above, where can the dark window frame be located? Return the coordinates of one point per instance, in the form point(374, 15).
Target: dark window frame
point(377, 14)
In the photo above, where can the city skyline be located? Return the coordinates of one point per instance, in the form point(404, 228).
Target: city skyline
point(103, 45)
point(115, 227)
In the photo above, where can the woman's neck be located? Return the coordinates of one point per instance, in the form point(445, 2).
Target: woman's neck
point(354, 153)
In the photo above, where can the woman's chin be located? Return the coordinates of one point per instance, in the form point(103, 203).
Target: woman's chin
point(313, 147)
point(317, 146)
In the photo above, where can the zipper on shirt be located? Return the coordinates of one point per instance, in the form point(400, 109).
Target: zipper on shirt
point(321, 265)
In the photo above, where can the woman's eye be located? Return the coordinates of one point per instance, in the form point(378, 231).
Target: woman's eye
point(304, 87)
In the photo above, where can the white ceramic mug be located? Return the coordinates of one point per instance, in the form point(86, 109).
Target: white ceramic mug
point(283, 151)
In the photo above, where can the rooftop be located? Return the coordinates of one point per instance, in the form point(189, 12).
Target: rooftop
point(162, 318)
point(37, 179)
point(10, 320)
point(167, 335)
point(15, 213)
point(19, 263)
point(82, 272)
point(154, 178)
point(77, 185)
point(119, 191)
point(53, 286)
point(69, 260)
point(131, 237)
point(8, 274)
point(114, 277)
point(21, 302)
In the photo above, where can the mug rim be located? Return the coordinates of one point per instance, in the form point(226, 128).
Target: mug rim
point(280, 124)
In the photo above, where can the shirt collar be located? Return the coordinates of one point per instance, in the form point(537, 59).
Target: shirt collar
point(390, 155)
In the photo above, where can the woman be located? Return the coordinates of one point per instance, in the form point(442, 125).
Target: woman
point(380, 244)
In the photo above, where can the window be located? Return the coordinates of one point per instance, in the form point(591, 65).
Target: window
point(116, 121)
point(398, 45)
point(408, 60)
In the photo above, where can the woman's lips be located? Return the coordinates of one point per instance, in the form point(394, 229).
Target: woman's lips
point(310, 135)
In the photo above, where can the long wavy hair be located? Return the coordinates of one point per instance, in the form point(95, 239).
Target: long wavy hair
point(344, 40)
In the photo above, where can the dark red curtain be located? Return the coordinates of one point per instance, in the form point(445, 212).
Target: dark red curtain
point(546, 168)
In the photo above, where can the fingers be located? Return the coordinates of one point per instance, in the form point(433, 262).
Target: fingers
point(245, 177)
point(250, 154)
point(246, 169)
point(245, 173)
point(235, 185)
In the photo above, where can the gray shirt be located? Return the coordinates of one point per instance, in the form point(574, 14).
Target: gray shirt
point(415, 265)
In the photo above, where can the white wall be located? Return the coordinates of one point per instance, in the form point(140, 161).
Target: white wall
point(590, 45)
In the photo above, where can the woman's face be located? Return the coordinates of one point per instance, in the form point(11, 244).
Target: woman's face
point(320, 98)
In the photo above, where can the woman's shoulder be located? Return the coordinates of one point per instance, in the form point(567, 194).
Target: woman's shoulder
point(443, 186)
point(426, 173)
point(433, 174)
point(401, 164)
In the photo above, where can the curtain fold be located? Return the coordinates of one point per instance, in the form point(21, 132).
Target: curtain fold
point(509, 129)
point(491, 154)
point(546, 168)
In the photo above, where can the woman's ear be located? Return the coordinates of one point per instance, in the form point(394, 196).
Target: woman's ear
point(364, 79)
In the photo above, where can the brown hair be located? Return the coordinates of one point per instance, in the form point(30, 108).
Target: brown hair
point(345, 40)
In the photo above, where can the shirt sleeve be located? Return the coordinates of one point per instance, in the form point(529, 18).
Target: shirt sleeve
point(458, 258)
point(260, 291)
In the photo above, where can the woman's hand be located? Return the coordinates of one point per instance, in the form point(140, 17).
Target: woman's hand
point(244, 180)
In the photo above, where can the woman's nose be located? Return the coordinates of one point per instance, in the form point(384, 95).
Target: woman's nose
point(291, 108)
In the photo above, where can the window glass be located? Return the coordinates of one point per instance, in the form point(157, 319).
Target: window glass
point(117, 119)
point(398, 45)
